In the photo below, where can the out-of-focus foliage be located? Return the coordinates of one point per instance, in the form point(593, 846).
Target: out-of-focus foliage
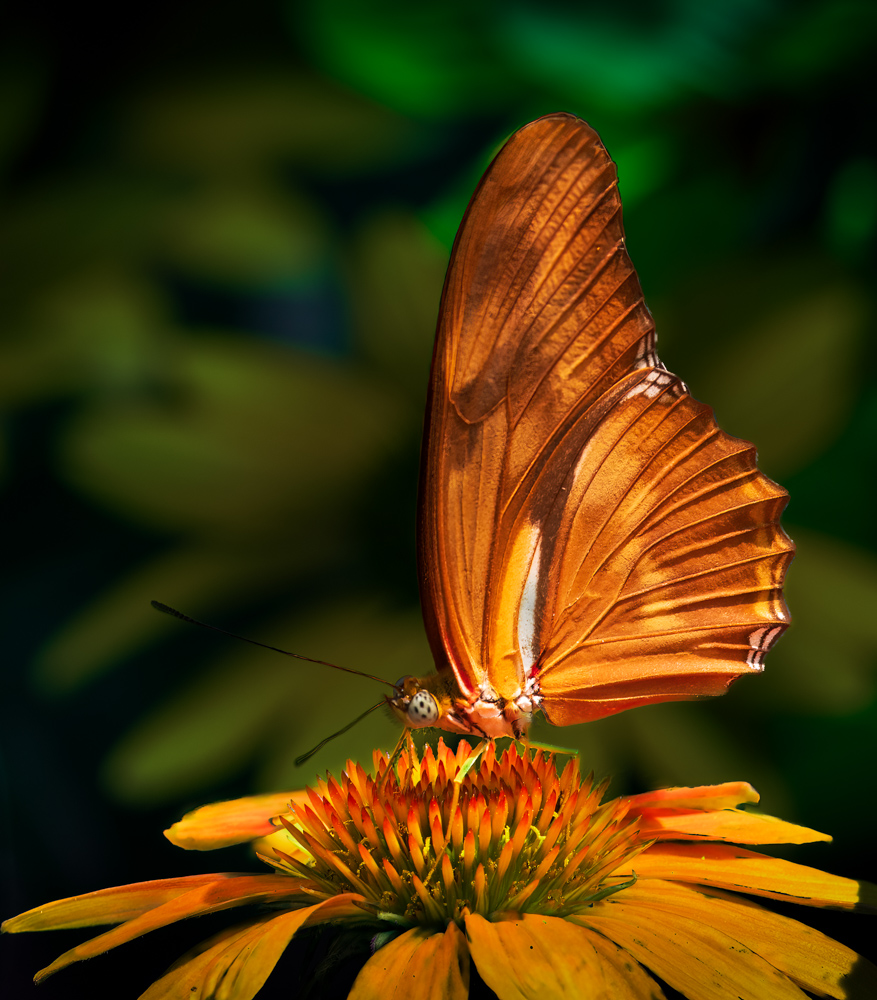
point(221, 255)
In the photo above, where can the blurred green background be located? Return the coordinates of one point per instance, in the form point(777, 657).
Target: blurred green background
point(224, 232)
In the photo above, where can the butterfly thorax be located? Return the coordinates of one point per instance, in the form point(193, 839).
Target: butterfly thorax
point(436, 700)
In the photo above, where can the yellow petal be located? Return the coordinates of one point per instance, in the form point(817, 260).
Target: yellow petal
point(418, 964)
point(736, 868)
point(725, 824)
point(234, 891)
point(108, 906)
point(222, 824)
point(810, 958)
point(699, 961)
point(726, 796)
point(235, 964)
point(281, 840)
point(532, 957)
point(627, 974)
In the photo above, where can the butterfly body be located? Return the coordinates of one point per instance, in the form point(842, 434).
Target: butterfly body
point(589, 539)
point(435, 700)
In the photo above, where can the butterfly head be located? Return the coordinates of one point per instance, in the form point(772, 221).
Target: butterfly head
point(415, 704)
point(436, 700)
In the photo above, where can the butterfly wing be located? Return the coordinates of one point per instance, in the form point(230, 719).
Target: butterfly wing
point(587, 532)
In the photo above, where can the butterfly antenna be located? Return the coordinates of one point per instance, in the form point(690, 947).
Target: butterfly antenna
point(255, 642)
point(305, 756)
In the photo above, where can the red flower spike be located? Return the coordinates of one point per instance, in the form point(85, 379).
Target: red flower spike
point(469, 854)
point(437, 834)
point(521, 830)
point(485, 834)
point(499, 815)
point(457, 830)
point(391, 841)
point(390, 870)
point(416, 854)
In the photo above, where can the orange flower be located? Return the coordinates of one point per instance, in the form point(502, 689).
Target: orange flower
point(532, 878)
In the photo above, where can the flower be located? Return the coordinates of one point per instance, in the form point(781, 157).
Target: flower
point(530, 877)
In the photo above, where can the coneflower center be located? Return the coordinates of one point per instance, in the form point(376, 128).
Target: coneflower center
point(430, 838)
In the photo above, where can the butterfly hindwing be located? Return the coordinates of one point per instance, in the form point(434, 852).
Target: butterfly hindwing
point(663, 561)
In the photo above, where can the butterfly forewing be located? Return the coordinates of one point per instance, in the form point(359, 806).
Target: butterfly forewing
point(535, 261)
point(583, 520)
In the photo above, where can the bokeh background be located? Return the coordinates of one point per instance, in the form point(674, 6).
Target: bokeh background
point(224, 232)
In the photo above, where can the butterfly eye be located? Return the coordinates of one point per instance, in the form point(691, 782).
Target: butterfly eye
point(423, 709)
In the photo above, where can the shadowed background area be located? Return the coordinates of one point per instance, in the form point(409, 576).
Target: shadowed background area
point(224, 234)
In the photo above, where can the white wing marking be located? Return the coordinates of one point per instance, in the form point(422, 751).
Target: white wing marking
point(527, 629)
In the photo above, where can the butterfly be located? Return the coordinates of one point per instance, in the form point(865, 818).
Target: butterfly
point(589, 540)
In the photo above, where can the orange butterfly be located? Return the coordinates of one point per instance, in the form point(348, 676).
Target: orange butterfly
point(589, 539)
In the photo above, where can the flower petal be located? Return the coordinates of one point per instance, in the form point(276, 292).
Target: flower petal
point(281, 840)
point(108, 906)
point(733, 825)
point(532, 957)
point(736, 868)
point(706, 797)
point(808, 957)
point(222, 966)
point(627, 972)
point(235, 964)
point(236, 821)
point(236, 891)
point(701, 962)
point(418, 963)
